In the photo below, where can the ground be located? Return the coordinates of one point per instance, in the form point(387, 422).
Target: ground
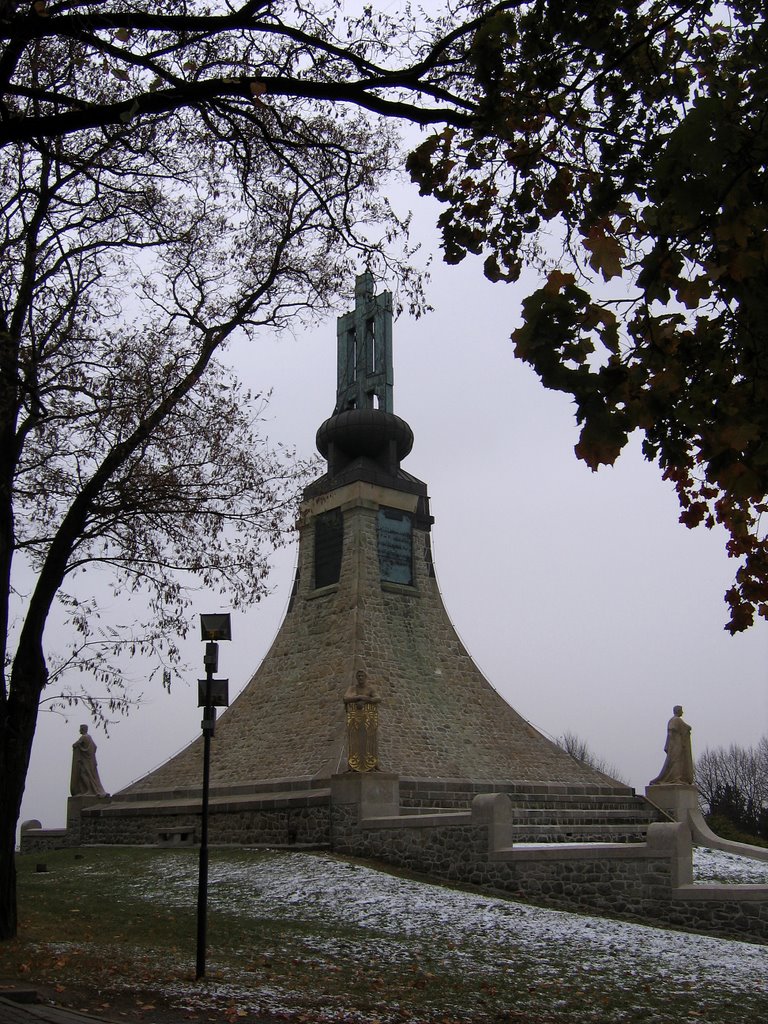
point(311, 937)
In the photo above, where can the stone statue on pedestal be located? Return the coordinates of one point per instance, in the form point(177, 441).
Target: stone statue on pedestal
point(85, 779)
point(678, 764)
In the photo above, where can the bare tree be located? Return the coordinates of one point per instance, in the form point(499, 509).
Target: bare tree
point(224, 60)
point(733, 783)
point(580, 750)
point(129, 257)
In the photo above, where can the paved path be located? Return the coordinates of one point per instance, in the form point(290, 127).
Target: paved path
point(13, 1012)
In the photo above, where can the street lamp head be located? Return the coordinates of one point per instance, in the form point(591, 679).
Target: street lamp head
point(215, 627)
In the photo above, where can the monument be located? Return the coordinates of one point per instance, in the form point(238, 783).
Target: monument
point(677, 769)
point(367, 673)
point(368, 729)
point(673, 789)
point(84, 778)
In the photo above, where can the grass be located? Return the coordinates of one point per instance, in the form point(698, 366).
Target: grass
point(112, 931)
point(87, 934)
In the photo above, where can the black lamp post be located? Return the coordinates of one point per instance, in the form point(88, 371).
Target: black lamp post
point(211, 693)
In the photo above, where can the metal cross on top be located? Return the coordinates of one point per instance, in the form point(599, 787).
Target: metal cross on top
point(365, 375)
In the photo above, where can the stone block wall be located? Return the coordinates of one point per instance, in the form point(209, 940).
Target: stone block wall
point(33, 838)
point(649, 882)
point(625, 882)
point(280, 820)
point(361, 816)
point(739, 912)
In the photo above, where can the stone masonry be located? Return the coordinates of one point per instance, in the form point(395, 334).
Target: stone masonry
point(439, 717)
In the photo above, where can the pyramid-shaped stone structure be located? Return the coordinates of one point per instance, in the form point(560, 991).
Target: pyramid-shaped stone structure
point(365, 599)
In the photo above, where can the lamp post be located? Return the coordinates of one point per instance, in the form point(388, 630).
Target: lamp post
point(211, 693)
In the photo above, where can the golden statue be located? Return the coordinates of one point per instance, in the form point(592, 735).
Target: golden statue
point(361, 702)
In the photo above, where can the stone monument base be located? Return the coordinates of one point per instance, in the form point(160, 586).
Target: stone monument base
point(677, 799)
point(75, 805)
point(376, 794)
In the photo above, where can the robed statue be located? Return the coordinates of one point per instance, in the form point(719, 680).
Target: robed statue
point(678, 764)
point(85, 779)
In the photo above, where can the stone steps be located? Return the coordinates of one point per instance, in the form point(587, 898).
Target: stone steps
point(581, 815)
point(550, 814)
point(584, 833)
point(542, 825)
point(217, 804)
point(632, 806)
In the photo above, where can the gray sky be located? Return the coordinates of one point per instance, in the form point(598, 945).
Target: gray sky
point(581, 598)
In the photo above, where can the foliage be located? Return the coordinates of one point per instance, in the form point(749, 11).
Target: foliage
point(733, 783)
point(127, 62)
point(579, 749)
point(723, 826)
point(622, 150)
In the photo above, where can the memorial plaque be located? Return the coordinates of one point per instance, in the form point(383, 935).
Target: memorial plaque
point(396, 546)
point(329, 542)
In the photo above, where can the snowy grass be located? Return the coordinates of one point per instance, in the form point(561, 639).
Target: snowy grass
point(716, 866)
point(317, 938)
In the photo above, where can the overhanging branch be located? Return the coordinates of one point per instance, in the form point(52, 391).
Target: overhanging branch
point(364, 94)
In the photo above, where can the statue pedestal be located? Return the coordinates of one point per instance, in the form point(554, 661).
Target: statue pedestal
point(677, 799)
point(375, 794)
point(75, 805)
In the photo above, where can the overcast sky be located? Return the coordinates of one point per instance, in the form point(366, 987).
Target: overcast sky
point(581, 598)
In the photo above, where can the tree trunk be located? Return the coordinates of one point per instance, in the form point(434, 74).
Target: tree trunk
point(18, 718)
point(8, 819)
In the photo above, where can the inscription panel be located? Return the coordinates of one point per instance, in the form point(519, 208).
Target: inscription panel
point(395, 535)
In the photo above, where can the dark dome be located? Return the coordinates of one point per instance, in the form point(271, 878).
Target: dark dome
point(364, 432)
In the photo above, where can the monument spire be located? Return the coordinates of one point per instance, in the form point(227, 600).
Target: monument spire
point(364, 439)
point(364, 367)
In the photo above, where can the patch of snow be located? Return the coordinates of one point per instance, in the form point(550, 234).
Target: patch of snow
point(473, 932)
point(718, 866)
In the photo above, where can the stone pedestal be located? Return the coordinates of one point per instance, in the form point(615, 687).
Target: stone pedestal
point(376, 794)
point(75, 805)
point(677, 799)
point(673, 840)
